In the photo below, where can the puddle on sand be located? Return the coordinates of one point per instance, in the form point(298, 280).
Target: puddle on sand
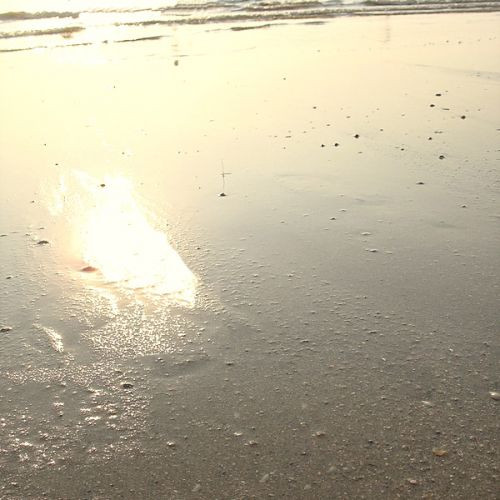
point(114, 236)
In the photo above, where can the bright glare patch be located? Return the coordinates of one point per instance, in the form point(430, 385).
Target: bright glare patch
point(112, 233)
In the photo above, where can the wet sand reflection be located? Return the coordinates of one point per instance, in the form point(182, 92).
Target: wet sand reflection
point(117, 241)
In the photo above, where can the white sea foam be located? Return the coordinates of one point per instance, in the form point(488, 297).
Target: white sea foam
point(54, 337)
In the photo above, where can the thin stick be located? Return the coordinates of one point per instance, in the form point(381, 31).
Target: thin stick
point(223, 175)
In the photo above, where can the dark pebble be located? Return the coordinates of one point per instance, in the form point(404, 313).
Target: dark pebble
point(103, 185)
point(222, 194)
point(5, 329)
point(432, 105)
point(356, 136)
point(336, 144)
point(43, 242)
point(463, 117)
point(420, 183)
point(127, 385)
point(88, 269)
point(441, 157)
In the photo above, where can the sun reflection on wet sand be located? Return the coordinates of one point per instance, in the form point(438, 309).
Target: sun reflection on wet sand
point(113, 233)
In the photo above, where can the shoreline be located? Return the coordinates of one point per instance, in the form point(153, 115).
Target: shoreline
point(249, 20)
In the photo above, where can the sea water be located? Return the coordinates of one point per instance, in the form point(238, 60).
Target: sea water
point(29, 24)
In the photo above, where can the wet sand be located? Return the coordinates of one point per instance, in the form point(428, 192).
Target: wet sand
point(329, 329)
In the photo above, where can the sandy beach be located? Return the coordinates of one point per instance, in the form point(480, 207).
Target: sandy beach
point(328, 329)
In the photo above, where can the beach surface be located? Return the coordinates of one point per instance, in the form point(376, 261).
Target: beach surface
point(327, 329)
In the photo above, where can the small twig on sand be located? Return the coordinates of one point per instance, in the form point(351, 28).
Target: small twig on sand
point(223, 175)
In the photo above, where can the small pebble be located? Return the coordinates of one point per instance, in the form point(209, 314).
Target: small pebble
point(439, 452)
point(413, 481)
point(88, 269)
point(5, 329)
point(127, 385)
point(441, 157)
point(42, 242)
point(495, 395)
point(420, 183)
point(222, 195)
point(463, 117)
point(356, 136)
